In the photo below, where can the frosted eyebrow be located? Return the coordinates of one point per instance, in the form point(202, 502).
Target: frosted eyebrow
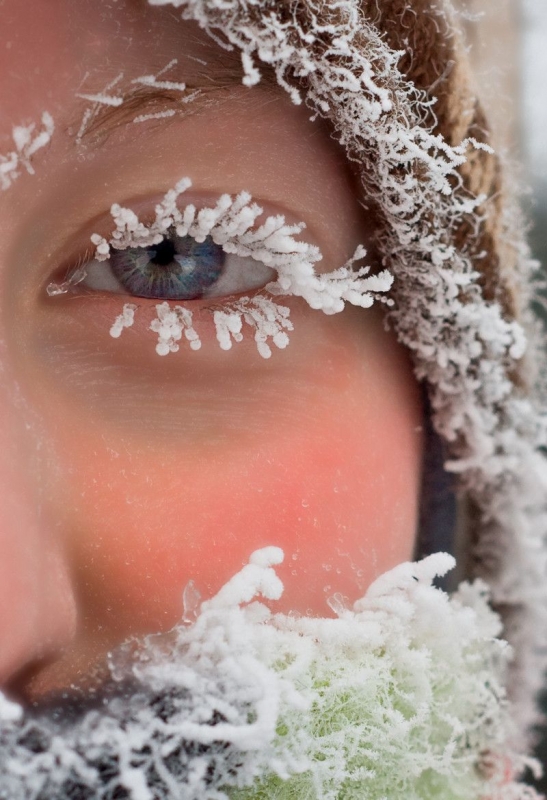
point(141, 100)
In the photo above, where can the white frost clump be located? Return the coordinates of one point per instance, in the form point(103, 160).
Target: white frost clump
point(400, 697)
point(123, 320)
point(27, 141)
point(231, 224)
point(269, 320)
point(102, 98)
point(170, 324)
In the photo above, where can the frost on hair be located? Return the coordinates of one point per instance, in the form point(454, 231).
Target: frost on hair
point(231, 223)
point(102, 98)
point(105, 97)
point(405, 689)
point(27, 140)
point(467, 346)
point(153, 80)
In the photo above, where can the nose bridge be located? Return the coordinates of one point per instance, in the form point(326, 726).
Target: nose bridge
point(37, 605)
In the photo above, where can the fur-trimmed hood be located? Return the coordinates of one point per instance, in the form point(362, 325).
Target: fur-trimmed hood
point(393, 81)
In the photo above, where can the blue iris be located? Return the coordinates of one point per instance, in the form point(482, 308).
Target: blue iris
point(178, 268)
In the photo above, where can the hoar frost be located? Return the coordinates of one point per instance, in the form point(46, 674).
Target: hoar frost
point(401, 696)
point(27, 140)
point(231, 223)
point(106, 98)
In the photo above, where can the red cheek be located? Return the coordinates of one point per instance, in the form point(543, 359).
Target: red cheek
point(337, 493)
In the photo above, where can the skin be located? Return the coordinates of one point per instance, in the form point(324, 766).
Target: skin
point(124, 475)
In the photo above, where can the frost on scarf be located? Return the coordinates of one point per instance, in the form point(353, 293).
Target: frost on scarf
point(401, 697)
point(231, 223)
point(464, 345)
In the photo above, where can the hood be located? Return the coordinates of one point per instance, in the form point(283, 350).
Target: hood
point(392, 80)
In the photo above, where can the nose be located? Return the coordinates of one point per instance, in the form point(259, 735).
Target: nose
point(37, 603)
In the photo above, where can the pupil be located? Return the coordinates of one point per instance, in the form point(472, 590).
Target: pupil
point(164, 253)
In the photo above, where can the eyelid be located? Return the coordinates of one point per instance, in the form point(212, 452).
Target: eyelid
point(235, 224)
point(80, 248)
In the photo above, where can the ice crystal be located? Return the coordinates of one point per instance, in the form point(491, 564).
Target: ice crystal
point(170, 112)
point(27, 141)
point(465, 345)
point(123, 320)
point(105, 98)
point(152, 80)
point(102, 98)
point(269, 320)
point(402, 696)
point(170, 325)
point(231, 223)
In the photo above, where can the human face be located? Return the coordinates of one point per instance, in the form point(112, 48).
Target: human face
point(124, 475)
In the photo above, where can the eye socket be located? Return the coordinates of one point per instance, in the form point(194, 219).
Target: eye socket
point(176, 268)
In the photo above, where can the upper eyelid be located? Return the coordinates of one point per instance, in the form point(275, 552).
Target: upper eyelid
point(235, 223)
point(77, 246)
point(231, 224)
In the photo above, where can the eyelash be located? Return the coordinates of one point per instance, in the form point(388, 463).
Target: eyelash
point(230, 224)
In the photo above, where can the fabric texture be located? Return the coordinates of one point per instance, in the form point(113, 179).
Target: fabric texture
point(392, 80)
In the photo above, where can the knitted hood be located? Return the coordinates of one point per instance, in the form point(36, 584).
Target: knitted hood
point(393, 81)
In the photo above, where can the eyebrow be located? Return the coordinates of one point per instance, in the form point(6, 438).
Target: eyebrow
point(156, 103)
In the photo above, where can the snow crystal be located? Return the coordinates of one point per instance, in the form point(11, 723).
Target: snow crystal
point(99, 99)
point(170, 324)
point(405, 689)
point(123, 320)
point(27, 141)
point(152, 80)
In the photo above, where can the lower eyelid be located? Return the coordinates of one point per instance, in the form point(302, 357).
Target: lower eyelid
point(96, 313)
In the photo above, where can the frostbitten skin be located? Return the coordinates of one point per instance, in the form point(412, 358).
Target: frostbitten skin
point(124, 475)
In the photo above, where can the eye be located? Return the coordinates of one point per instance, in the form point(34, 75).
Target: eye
point(175, 268)
point(217, 251)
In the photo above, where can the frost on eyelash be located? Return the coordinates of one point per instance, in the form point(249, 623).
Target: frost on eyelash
point(27, 142)
point(230, 224)
point(269, 319)
point(170, 325)
point(123, 320)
